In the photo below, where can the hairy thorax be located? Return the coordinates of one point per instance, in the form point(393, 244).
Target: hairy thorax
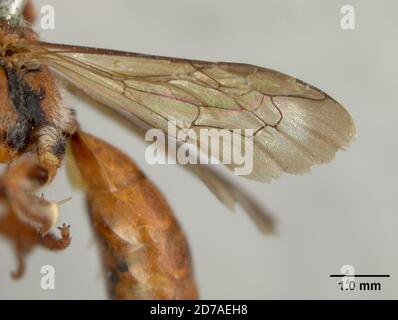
point(32, 116)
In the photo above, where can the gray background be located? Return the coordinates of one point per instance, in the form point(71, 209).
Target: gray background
point(341, 213)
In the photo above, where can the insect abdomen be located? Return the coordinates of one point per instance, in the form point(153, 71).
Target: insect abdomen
point(144, 250)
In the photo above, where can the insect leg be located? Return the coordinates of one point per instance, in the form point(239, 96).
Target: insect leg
point(18, 273)
point(19, 183)
point(53, 242)
point(20, 255)
point(25, 237)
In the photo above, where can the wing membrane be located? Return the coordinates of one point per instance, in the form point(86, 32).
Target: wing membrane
point(295, 125)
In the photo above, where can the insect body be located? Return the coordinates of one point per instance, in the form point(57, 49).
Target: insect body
point(294, 125)
point(33, 120)
point(144, 250)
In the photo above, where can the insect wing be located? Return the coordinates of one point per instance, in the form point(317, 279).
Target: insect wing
point(294, 124)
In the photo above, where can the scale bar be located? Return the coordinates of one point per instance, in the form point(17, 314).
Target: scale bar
point(360, 275)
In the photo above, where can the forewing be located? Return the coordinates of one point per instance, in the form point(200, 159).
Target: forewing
point(295, 125)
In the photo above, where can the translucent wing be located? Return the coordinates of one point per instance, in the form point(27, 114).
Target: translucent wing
point(295, 125)
point(230, 194)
